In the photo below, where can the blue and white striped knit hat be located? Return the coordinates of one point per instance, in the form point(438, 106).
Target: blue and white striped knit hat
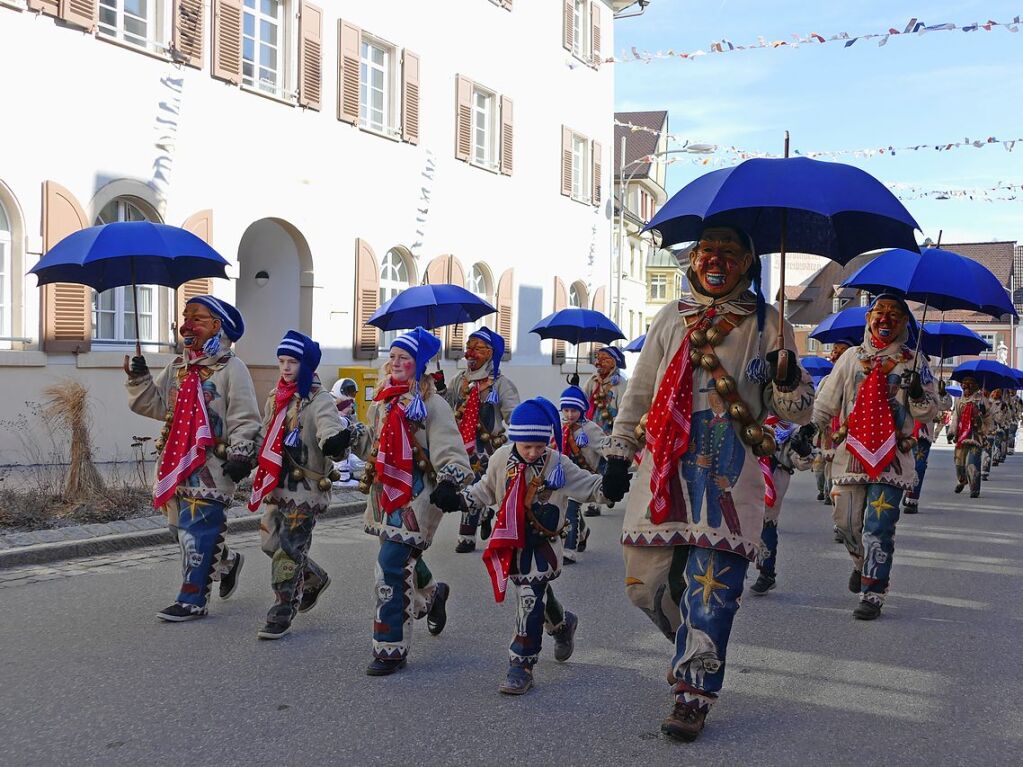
point(495, 341)
point(574, 397)
point(614, 353)
point(231, 322)
point(307, 352)
point(537, 420)
point(423, 346)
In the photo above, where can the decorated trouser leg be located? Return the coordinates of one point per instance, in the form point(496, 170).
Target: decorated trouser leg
point(286, 535)
point(576, 531)
point(822, 480)
point(653, 582)
point(921, 453)
point(405, 589)
point(985, 458)
point(970, 466)
point(467, 528)
point(769, 535)
point(866, 515)
point(537, 609)
point(204, 555)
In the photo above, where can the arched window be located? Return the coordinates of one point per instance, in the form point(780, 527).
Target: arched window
point(395, 276)
point(577, 296)
point(481, 285)
point(113, 311)
point(6, 283)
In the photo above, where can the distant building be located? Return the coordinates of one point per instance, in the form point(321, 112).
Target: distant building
point(665, 280)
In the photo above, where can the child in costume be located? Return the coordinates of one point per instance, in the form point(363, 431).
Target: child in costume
point(416, 466)
point(301, 435)
point(533, 484)
point(582, 440)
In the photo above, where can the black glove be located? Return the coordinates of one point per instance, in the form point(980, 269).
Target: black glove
point(616, 479)
point(949, 437)
point(237, 470)
point(573, 380)
point(335, 446)
point(486, 525)
point(438, 381)
point(446, 496)
point(807, 432)
point(138, 367)
point(793, 375)
point(911, 382)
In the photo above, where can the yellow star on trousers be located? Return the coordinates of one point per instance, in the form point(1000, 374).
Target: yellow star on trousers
point(708, 581)
point(881, 505)
point(194, 504)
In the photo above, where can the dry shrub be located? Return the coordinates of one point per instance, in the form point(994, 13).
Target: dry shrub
point(67, 407)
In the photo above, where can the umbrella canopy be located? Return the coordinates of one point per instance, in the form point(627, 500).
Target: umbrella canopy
point(816, 366)
point(949, 339)
point(430, 306)
point(846, 325)
point(990, 374)
point(636, 344)
point(830, 209)
point(578, 326)
point(938, 278)
point(127, 253)
point(953, 390)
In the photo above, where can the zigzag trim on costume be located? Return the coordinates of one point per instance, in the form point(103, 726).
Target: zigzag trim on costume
point(398, 535)
point(705, 540)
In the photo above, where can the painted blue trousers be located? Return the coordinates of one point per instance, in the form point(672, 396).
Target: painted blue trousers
point(866, 515)
point(405, 589)
point(204, 555)
point(921, 453)
point(537, 608)
point(967, 460)
point(576, 531)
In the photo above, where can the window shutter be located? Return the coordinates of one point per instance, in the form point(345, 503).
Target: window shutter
point(595, 177)
point(227, 40)
point(67, 308)
point(560, 302)
point(566, 161)
point(367, 298)
point(463, 118)
point(187, 34)
point(49, 7)
point(600, 300)
point(310, 58)
point(201, 225)
point(410, 97)
point(349, 39)
point(455, 333)
point(505, 295)
point(595, 33)
point(81, 13)
point(567, 32)
point(507, 136)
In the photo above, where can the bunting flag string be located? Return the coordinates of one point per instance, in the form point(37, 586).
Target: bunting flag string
point(914, 27)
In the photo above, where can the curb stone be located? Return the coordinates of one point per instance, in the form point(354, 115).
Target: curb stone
point(42, 553)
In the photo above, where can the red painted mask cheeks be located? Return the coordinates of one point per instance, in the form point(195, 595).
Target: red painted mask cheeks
point(969, 386)
point(477, 353)
point(719, 261)
point(605, 364)
point(886, 322)
point(198, 326)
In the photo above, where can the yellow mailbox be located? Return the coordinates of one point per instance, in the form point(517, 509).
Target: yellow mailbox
point(366, 378)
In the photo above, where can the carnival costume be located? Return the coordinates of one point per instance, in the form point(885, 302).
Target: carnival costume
point(583, 442)
point(604, 394)
point(966, 430)
point(924, 433)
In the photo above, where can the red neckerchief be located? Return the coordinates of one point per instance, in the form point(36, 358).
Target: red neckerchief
point(271, 452)
point(871, 436)
point(770, 491)
point(470, 419)
point(964, 431)
point(509, 527)
point(189, 437)
point(394, 455)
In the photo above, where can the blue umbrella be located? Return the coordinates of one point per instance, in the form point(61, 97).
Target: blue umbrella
point(431, 306)
point(990, 374)
point(578, 326)
point(817, 367)
point(845, 326)
point(636, 344)
point(953, 390)
point(936, 278)
point(948, 339)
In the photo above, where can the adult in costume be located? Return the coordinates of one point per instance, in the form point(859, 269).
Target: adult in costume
point(583, 440)
point(878, 393)
point(604, 391)
point(966, 430)
point(416, 465)
point(696, 510)
point(924, 433)
point(208, 403)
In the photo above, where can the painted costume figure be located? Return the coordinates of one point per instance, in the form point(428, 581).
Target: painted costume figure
point(878, 394)
point(532, 483)
point(604, 391)
point(301, 435)
point(696, 511)
point(483, 401)
point(208, 445)
point(583, 441)
point(416, 466)
point(966, 430)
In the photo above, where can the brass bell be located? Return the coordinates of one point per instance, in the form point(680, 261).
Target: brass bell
point(169, 418)
point(220, 450)
point(364, 487)
point(334, 475)
point(158, 445)
point(297, 475)
point(838, 436)
point(695, 356)
point(605, 413)
point(906, 444)
point(726, 386)
point(698, 338)
point(485, 436)
point(323, 484)
point(709, 361)
point(765, 447)
point(422, 465)
point(740, 412)
point(373, 453)
point(752, 433)
point(715, 336)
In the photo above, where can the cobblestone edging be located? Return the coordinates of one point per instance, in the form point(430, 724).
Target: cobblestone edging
point(42, 546)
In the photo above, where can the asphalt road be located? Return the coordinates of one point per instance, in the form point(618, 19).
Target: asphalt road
point(88, 676)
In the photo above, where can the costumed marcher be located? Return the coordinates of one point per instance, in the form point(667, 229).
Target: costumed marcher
point(878, 393)
point(532, 483)
point(583, 441)
point(1001, 415)
point(925, 432)
point(701, 389)
point(301, 434)
point(344, 392)
point(416, 466)
point(794, 453)
point(604, 390)
point(208, 445)
point(966, 429)
point(483, 400)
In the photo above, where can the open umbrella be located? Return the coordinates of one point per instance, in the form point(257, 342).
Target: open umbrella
point(817, 367)
point(953, 390)
point(128, 253)
point(636, 344)
point(578, 326)
point(949, 339)
point(990, 374)
point(844, 326)
point(430, 306)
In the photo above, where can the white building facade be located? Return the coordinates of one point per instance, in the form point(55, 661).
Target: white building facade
point(333, 153)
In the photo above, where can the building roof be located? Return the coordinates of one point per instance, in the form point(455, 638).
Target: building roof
point(638, 143)
point(813, 301)
point(662, 259)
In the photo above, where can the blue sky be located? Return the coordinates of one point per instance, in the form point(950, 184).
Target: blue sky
point(938, 88)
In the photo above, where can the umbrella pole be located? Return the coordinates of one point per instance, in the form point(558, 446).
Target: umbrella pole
point(783, 357)
point(135, 302)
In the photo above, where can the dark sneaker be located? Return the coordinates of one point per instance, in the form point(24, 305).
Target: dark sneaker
point(984, 476)
point(564, 638)
point(274, 630)
point(764, 584)
point(866, 611)
point(385, 666)
point(229, 581)
point(975, 494)
point(592, 511)
point(960, 486)
point(684, 723)
point(910, 508)
point(820, 496)
point(828, 502)
point(464, 547)
point(311, 596)
point(854, 582)
point(581, 546)
point(437, 618)
point(518, 681)
point(569, 558)
point(178, 613)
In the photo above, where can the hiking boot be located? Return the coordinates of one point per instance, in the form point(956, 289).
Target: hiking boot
point(274, 630)
point(764, 584)
point(960, 486)
point(178, 613)
point(854, 582)
point(229, 581)
point(909, 508)
point(385, 666)
point(828, 501)
point(437, 618)
point(517, 682)
point(464, 547)
point(820, 496)
point(592, 511)
point(684, 723)
point(311, 596)
point(564, 638)
point(866, 611)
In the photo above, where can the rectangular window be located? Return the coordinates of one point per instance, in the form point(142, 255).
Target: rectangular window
point(113, 315)
point(812, 345)
point(580, 168)
point(658, 287)
point(864, 298)
point(836, 304)
point(130, 21)
point(581, 30)
point(992, 342)
point(263, 31)
point(484, 128)
point(375, 86)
